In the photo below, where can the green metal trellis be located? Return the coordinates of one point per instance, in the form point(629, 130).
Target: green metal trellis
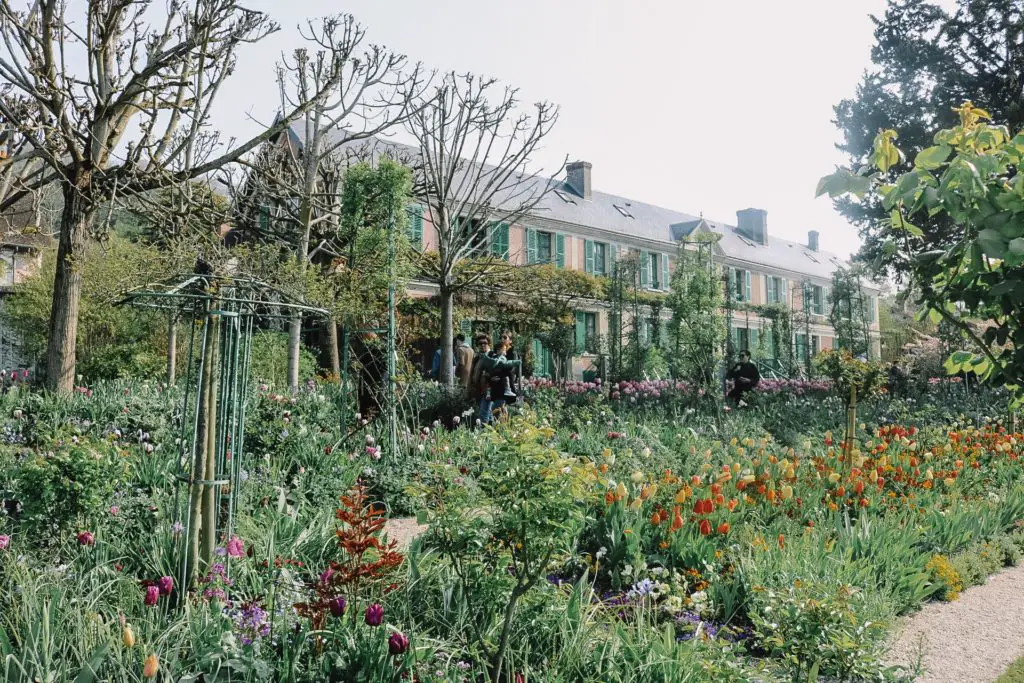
point(220, 313)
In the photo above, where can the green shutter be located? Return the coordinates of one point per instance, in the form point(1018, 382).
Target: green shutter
point(466, 327)
point(560, 250)
point(531, 245)
point(581, 332)
point(665, 275)
point(752, 336)
point(645, 269)
point(733, 292)
point(538, 368)
point(415, 229)
point(783, 295)
point(871, 309)
point(264, 217)
point(588, 252)
point(499, 240)
point(747, 294)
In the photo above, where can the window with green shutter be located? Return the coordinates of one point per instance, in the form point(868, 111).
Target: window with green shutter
point(645, 269)
point(665, 275)
point(560, 250)
point(588, 257)
point(414, 230)
point(581, 332)
point(531, 246)
point(499, 240)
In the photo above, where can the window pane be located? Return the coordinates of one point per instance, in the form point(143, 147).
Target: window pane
point(544, 247)
point(600, 257)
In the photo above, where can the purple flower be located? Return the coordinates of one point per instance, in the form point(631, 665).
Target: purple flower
point(177, 528)
point(325, 578)
point(5, 540)
point(152, 595)
point(114, 510)
point(337, 607)
point(86, 538)
point(398, 644)
point(165, 584)
point(252, 623)
point(374, 614)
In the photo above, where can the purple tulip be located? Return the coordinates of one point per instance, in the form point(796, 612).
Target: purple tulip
point(152, 595)
point(165, 584)
point(5, 540)
point(86, 538)
point(375, 614)
point(337, 607)
point(398, 644)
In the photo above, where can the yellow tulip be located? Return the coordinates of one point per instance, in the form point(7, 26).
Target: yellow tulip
point(786, 491)
point(606, 453)
point(680, 496)
point(790, 473)
point(637, 477)
point(128, 637)
point(646, 452)
point(620, 490)
point(151, 666)
point(928, 476)
point(736, 468)
point(834, 477)
point(949, 481)
point(635, 505)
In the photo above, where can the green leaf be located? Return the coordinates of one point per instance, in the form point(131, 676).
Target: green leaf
point(932, 157)
point(901, 223)
point(1017, 246)
point(992, 243)
point(88, 673)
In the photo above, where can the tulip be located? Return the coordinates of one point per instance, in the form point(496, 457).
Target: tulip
point(705, 527)
point(5, 541)
point(374, 614)
point(150, 667)
point(152, 595)
point(677, 520)
point(637, 477)
point(165, 584)
point(128, 637)
point(520, 678)
point(398, 643)
point(786, 491)
point(723, 528)
point(337, 607)
point(86, 538)
point(782, 542)
point(620, 491)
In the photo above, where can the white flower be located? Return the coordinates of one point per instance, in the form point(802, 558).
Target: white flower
point(601, 552)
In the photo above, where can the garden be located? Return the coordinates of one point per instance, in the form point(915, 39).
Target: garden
point(598, 534)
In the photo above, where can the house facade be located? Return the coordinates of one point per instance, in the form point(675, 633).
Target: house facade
point(21, 256)
point(578, 228)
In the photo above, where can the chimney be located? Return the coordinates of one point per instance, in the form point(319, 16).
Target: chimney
point(753, 224)
point(812, 240)
point(578, 177)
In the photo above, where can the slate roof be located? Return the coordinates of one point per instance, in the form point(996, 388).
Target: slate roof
point(608, 212)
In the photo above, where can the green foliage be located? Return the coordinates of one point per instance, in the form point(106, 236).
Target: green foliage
point(269, 359)
point(113, 341)
point(981, 274)
point(849, 374)
point(848, 312)
point(697, 328)
point(67, 488)
point(820, 628)
point(927, 56)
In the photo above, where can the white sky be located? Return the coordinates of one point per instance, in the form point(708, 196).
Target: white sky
point(695, 105)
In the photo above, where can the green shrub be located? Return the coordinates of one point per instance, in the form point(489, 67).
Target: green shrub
point(269, 360)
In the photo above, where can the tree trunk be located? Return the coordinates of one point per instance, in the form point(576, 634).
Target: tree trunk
point(199, 459)
point(210, 491)
point(172, 349)
point(76, 216)
point(446, 373)
point(294, 348)
point(332, 350)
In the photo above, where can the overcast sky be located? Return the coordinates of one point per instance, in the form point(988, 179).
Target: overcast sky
point(697, 105)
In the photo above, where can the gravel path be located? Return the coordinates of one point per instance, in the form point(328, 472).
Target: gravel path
point(403, 530)
point(971, 640)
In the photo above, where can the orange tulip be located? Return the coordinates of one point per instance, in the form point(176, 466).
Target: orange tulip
point(677, 520)
point(705, 527)
point(723, 528)
point(150, 667)
point(782, 542)
point(656, 518)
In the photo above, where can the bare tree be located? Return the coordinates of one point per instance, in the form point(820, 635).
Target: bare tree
point(123, 107)
point(20, 163)
point(367, 89)
point(471, 172)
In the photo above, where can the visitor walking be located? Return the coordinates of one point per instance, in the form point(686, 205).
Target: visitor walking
point(463, 360)
point(745, 378)
point(489, 366)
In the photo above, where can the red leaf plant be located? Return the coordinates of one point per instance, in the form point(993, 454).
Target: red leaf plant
point(365, 561)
